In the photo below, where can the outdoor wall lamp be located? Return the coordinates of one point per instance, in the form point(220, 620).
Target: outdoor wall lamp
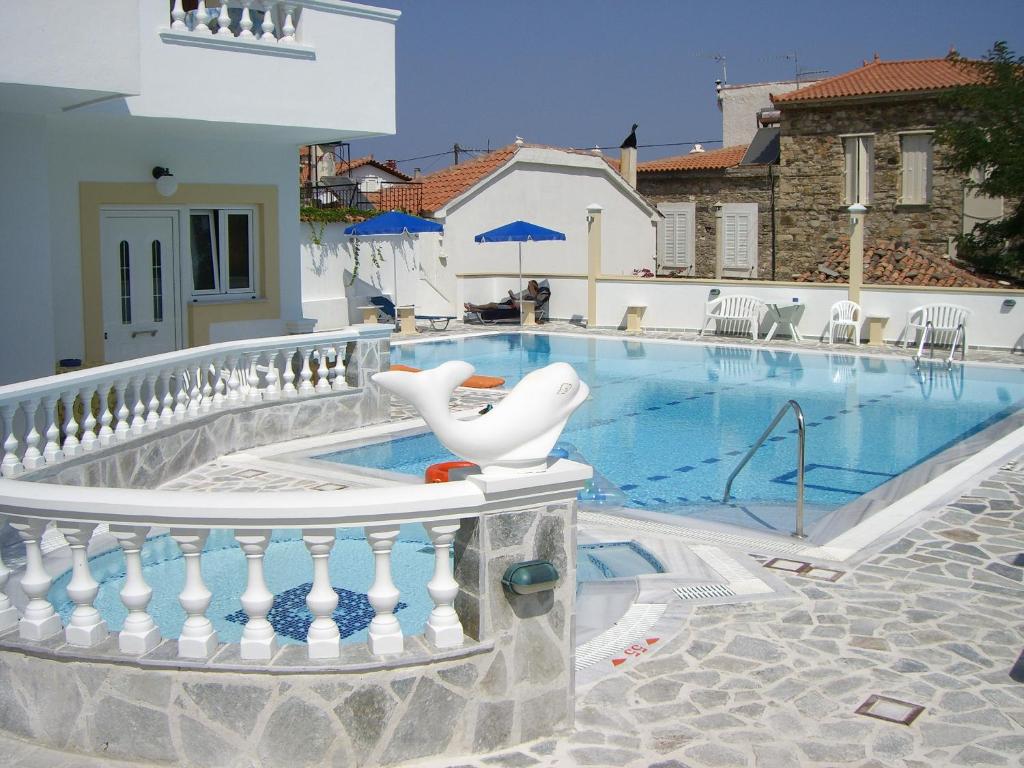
point(529, 577)
point(166, 184)
point(1008, 304)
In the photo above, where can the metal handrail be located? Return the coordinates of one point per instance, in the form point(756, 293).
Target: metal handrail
point(960, 337)
point(801, 433)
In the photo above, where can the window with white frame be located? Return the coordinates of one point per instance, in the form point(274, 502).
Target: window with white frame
point(860, 163)
point(222, 246)
point(916, 168)
point(677, 234)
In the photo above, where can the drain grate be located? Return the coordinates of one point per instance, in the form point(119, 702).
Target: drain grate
point(704, 591)
point(634, 625)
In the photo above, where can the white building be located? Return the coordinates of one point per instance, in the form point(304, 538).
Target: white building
point(101, 266)
point(748, 106)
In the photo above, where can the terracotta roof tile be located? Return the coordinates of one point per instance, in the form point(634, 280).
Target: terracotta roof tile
point(343, 167)
point(884, 77)
point(714, 159)
point(888, 262)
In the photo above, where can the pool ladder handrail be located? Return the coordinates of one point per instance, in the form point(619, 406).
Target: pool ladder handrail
point(959, 338)
point(800, 436)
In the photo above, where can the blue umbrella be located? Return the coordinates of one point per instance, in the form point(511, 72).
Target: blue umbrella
point(519, 232)
point(393, 223)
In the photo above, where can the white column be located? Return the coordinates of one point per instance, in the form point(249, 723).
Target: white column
point(138, 425)
point(273, 390)
point(178, 17)
point(195, 387)
point(306, 374)
point(856, 212)
point(258, 638)
point(444, 630)
point(288, 28)
point(153, 407)
point(246, 23)
point(202, 19)
point(198, 639)
point(32, 459)
point(106, 434)
point(11, 466)
point(139, 634)
point(167, 401)
point(207, 389)
point(385, 633)
point(123, 428)
point(289, 389)
point(86, 627)
point(323, 381)
point(323, 637)
point(181, 396)
point(52, 452)
point(224, 21)
point(8, 613)
point(71, 446)
point(233, 396)
point(39, 621)
point(89, 440)
point(268, 24)
point(253, 380)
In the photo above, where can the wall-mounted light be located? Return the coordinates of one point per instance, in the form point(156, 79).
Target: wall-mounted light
point(166, 184)
point(1007, 305)
point(530, 576)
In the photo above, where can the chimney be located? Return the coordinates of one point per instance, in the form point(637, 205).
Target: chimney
point(627, 158)
point(416, 174)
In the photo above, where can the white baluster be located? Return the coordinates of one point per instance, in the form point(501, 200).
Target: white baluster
point(139, 634)
point(323, 382)
point(444, 630)
point(89, 440)
point(32, 459)
point(202, 19)
point(234, 395)
point(167, 401)
point(181, 396)
point(39, 620)
point(306, 374)
point(52, 452)
point(11, 466)
point(8, 613)
point(207, 402)
point(385, 634)
point(198, 639)
point(224, 21)
point(289, 389)
point(268, 24)
point(273, 390)
point(195, 389)
point(138, 424)
point(323, 638)
point(123, 429)
point(71, 446)
point(219, 385)
point(288, 28)
point(258, 638)
point(246, 22)
point(106, 434)
point(86, 627)
point(178, 17)
point(153, 408)
point(253, 395)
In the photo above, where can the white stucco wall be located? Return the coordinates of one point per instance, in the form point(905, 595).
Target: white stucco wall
point(740, 105)
point(27, 340)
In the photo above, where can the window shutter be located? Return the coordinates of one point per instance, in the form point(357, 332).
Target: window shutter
point(729, 240)
point(867, 168)
point(916, 151)
point(850, 151)
point(676, 231)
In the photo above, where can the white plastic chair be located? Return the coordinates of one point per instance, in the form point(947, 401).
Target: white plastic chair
point(845, 314)
point(943, 319)
point(734, 309)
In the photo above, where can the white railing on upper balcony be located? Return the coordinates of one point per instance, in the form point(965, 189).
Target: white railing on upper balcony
point(111, 404)
point(256, 21)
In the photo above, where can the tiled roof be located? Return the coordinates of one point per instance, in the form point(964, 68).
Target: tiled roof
point(445, 185)
point(877, 78)
point(343, 167)
point(888, 262)
point(714, 159)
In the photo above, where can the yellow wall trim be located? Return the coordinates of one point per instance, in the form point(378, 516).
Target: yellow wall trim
point(94, 196)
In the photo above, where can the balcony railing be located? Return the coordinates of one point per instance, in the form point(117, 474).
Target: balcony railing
point(390, 196)
point(262, 24)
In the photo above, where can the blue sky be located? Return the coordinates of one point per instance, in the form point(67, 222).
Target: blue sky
point(577, 73)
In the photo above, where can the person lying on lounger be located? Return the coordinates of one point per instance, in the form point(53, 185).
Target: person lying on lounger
point(532, 293)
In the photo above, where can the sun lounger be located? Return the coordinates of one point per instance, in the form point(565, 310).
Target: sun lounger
point(511, 314)
point(389, 314)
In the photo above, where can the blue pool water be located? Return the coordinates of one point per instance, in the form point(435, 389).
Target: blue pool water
point(667, 423)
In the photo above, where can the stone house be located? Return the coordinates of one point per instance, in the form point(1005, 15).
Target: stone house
point(866, 136)
point(717, 209)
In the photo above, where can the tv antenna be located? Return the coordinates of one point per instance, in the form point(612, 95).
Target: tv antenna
point(799, 73)
point(716, 57)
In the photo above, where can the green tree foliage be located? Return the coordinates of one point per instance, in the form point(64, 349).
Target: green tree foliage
point(988, 134)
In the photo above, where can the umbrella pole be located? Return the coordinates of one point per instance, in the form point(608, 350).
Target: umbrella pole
point(520, 284)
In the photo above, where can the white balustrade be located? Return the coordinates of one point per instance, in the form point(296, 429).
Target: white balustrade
point(39, 621)
point(234, 382)
point(288, 389)
point(139, 634)
point(11, 465)
point(51, 451)
point(167, 401)
point(138, 425)
point(444, 630)
point(123, 429)
point(197, 640)
point(153, 406)
point(180, 395)
point(323, 380)
point(71, 445)
point(273, 390)
point(245, 24)
point(323, 638)
point(306, 374)
point(385, 633)
point(89, 440)
point(253, 395)
point(288, 28)
point(224, 22)
point(32, 459)
point(178, 17)
point(8, 613)
point(86, 627)
point(106, 434)
point(259, 641)
point(202, 19)
point(268, 26)
point(206, 403)
point(194, 390)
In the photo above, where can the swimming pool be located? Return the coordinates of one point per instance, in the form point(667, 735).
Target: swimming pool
point(667, 422)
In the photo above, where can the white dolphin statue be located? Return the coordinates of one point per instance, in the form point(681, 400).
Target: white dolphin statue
point(516, 435)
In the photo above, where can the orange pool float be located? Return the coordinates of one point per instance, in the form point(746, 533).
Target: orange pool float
point(438, 473)
point(476, 382)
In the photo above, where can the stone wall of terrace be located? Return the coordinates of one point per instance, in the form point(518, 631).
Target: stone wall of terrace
point(811, 204)
point(706, 188)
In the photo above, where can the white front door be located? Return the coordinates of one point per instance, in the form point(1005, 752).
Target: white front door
point(738, 240)
point(139, 268)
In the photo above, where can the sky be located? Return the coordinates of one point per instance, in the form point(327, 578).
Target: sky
point(578, 73)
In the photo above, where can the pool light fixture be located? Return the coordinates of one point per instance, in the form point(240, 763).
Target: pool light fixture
point(530, 576)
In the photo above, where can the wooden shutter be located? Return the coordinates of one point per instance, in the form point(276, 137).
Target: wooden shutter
point(677, 235)
point(916, 150)
point(739, 239)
